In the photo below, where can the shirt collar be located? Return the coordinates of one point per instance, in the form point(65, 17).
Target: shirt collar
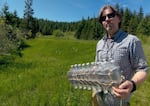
point(116, 36)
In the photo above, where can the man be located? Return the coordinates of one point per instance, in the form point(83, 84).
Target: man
point(126, 50)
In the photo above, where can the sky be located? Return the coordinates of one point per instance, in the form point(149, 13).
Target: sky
point(71, 10)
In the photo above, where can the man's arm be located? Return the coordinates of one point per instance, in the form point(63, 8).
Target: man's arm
point(139, 77)
point(126, 87)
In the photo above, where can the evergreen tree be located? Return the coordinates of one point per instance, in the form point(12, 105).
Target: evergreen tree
point(80, 28)
point(98, 31)
point(126, 19)
point(10, 18)
point(86, 30)
point(29, 22)
point(133, 24)
point(140, 14)
point(144, 27)
point(28, 13)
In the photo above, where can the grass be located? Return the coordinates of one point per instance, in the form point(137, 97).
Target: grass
point(142, 96)
point(39, 78)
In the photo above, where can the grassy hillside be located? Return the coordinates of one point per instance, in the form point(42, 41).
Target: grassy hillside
point(39, 78)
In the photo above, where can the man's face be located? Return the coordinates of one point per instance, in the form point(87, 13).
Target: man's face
point(110, 21)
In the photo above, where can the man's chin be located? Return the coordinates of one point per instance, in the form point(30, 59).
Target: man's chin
point(108, 29)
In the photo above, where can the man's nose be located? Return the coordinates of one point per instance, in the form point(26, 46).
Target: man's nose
point(107, 18)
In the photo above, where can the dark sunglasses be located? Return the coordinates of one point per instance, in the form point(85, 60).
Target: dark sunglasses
point(111, 15)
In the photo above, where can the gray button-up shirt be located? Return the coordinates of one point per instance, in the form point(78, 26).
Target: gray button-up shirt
point(126, 50)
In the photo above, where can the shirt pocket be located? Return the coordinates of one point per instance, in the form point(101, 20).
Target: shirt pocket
point(121, 55)
point(104, 55)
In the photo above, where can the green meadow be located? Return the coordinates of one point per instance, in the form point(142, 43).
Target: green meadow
point(39, 78)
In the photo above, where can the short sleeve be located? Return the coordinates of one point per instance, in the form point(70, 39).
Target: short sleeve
point(137, 57)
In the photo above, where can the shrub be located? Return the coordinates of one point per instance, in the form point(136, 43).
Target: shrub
point(11, 43)
point(58, 33)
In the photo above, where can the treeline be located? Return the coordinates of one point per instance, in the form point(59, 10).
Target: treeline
point(15, 30)
point(133, 22)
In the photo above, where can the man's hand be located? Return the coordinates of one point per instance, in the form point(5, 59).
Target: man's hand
point(123, 90)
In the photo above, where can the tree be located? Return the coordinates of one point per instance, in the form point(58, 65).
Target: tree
point(97, 29)
point(10, 18)
point(144, 27)
point(28, 12)
point(58, 33)
point(80, 28)
point(10, 43)
point(126, 19)
point(140, 14)
point(29, 22)
point(6, 13)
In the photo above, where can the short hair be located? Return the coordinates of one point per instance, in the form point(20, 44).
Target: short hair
point(113, 9)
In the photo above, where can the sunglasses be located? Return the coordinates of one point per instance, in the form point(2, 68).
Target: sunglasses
point(111, 15)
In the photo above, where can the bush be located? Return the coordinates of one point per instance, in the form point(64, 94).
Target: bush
point(58, 33)
point(11, 43)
